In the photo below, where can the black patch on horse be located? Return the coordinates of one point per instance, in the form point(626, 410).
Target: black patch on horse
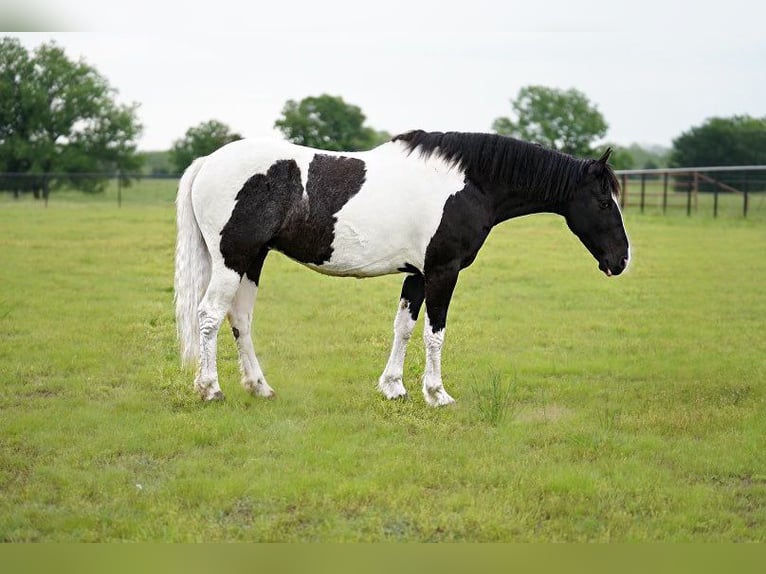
point(262, 206)
point(409, 268)
point(309, 230)
point(272, 212)
point(466, 222)
point(413, 292)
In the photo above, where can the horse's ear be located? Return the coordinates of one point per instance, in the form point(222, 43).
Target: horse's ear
point(605, 156)
point(598, 166)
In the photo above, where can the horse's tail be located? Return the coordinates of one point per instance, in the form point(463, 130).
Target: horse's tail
point(192, 273)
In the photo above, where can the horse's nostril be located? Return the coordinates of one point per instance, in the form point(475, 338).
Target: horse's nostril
point(624, 263)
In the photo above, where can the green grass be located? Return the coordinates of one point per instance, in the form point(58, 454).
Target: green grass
point(622, 409)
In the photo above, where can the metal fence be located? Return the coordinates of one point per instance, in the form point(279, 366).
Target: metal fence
point(737, 191)
point(96, 187)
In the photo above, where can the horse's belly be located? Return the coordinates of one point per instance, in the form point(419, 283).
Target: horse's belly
point(370, 253)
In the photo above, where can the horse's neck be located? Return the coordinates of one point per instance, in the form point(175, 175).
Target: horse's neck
point(510, 203)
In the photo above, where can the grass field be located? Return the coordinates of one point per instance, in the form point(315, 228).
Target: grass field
point(625, 409)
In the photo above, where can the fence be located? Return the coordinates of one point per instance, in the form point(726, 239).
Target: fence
point(96, 187)
point(719, 191)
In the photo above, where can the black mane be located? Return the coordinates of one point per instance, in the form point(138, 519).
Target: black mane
point(527, 168)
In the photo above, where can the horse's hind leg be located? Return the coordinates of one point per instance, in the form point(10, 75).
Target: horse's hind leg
point(390, 382)
point(241, 319)
point(211, 311)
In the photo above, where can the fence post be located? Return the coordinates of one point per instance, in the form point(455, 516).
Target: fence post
point(46, 188)
point(745, 198)
point(119, 189)
point(665, 194)
point(715, 201)
point(624, 195)
point(643, 190)
point(692, 185)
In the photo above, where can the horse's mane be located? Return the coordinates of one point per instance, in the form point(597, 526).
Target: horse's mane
point(528, 168)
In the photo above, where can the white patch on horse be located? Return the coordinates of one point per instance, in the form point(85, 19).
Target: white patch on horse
point(392, 219)
point(619, 210)
point(433, 388)
point(391, 382)
point(241, 319)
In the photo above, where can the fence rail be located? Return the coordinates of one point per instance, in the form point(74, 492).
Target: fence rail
point(90, 185)
point(694, 188)
point(720, 190)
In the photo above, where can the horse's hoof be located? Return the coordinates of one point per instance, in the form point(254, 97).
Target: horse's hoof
point(215, 397)
point(439, 398)
point(398, 396)
point(260, 389)
point(392, 388)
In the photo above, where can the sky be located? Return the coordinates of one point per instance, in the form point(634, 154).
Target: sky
point(653, 68)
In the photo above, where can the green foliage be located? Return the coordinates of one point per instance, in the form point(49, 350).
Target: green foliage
point(636, 156)
point(649, 156)
point(200, 140)
point(157, 163)
point(564, 120)
point(327, 122)
point(60, 116)
point(738, 140)
point(637, 404)
point(621, 157)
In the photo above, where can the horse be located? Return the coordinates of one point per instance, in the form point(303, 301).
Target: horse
point(421, 204)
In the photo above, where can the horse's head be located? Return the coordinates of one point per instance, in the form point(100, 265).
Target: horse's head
point(593, 214)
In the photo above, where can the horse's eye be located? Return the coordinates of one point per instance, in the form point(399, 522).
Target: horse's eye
point(604, 204)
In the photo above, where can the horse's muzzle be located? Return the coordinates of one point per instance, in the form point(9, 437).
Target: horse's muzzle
point(611, 270)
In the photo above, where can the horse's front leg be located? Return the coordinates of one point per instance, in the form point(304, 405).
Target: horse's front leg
point(390, 382)
point(439, 285)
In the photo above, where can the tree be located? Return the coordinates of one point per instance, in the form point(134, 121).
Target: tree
point(560, 119)
point(738, 140)
point(649, 156)
point(327, 122)
point(157, 163)
point(637, 156)
point(200, 140)
point(60, 117)
point(621, 158)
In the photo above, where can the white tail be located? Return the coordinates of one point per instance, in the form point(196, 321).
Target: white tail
point(192, 273)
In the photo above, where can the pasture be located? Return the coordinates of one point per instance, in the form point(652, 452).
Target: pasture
point(589, 409)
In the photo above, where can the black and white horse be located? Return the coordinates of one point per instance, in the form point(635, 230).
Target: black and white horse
point(421, 204)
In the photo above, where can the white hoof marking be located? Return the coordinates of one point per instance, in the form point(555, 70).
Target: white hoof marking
point(259, 388)
point(209, 390)
point(392, 387)
point(437, 397)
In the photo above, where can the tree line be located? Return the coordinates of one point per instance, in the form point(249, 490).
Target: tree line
point(59, 118)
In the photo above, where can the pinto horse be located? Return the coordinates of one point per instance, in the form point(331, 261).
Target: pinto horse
point(421, 204)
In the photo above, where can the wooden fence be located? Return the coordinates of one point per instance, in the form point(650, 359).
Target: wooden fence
point(672, 188)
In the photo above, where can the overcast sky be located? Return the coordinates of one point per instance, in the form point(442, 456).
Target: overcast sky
point(653, 68)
